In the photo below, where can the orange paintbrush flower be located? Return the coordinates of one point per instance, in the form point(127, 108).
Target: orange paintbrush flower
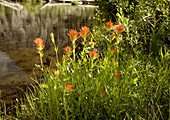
point(114, 51)
point(57, 71)
point(91, 44)
point(68, 49)
point(84, 32)
point(109, 25)
point(39, 44)
point(112, 36)
point(101, 92)
point(93, 54)
point(64, 57)
point(113, 62)
point(73, 35)
point(117, 74)
point(69, 87)
point(119, 28)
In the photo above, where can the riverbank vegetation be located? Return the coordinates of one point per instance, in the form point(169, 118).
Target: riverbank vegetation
point(121, 71)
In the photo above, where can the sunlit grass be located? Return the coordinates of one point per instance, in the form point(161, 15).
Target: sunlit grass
point(104, 83)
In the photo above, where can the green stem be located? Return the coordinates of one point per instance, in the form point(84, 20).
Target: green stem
point(65, 106)
point(56, 50)
point(92, 64)
point(83, 53)
point(41, 62)
point(74, 54)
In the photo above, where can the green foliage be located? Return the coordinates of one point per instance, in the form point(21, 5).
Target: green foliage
point(108, 9)
point(116, 85)
point(148, 21)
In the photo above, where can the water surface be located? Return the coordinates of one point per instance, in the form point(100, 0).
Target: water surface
point(18, 30)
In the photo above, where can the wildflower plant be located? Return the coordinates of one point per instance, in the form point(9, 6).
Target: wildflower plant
point(84, 32)
point(104, 83)
point(109, 25)
point(74, 35)
point(39, 47)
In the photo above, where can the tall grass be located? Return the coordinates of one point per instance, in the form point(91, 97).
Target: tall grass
point(105, 82)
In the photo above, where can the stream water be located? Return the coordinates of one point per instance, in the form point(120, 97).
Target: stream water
point(19, 29)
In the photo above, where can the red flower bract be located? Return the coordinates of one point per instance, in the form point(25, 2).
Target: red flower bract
point(91, 44)
point(69, 87)
point(117, 74)
point(73, 35)
point(114, 51)
point(112, 36)
point(84, 32)
point(119, 28)
point(39, 44)
point(93, 54)
point(101, 92)
point(68, 49)
point(64, 57)
point(109, 25)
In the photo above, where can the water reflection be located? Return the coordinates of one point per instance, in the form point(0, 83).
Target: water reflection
point(18, 30)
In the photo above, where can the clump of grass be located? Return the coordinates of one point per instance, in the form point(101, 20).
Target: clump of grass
point(106, 82)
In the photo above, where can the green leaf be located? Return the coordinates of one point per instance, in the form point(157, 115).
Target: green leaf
point(56, 49)
point(38, 66)
point(135, 80)
point(41, 55)
point(52, 37)
point(161, 53)
point(167, 54)
point(103, 19)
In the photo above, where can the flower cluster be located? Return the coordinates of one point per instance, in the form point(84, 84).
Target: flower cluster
point(84, 32)
point(64, 57)
point(93, 55)
point(73, 35)
point(69, 87)
point(101, 92)
point(117, 75)
point(109, 25)
point(68, 49)
point(113, 51)
point(39, 44)
point(118, 28)
point(112, 36)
